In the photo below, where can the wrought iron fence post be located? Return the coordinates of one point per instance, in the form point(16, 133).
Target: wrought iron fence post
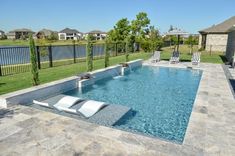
point(74, 53)
point(0, 64)
point(0, 70)
point(210, 49)
point(38, 57)
point(92, 51)
point(116, 49)
point(50, 56)
point(134, 45)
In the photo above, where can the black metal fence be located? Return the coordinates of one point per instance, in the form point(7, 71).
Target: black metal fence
point(17, 59)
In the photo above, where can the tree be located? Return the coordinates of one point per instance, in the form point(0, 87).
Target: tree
point(90, 37)
point(191, 41)
point(111, 36)
point(53, 36)
point(4, 37)
point(121, 30)
point(140, 24)
point(130, 33)
point(33, 61)
point(146, 45)
point(89, 58)
point(153, 41)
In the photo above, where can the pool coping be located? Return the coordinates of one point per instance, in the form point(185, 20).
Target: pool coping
point(229, 77)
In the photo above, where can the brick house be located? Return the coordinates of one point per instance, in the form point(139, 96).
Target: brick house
point(215, 38)
point(19, 33)
point(45, 33)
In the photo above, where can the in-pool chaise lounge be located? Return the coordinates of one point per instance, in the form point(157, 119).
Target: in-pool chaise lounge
point(90, 107)
point(156, 56)
point(196, 58)
point(107, 114)
point(175, 58)
point(43, 104)
point(72, 104)
point(58, 101)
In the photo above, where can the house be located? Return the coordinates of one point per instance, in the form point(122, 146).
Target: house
point(69, 34)
point(215, 38)
point(230, 49)
point(97, 34)
point(2, 33)
point(45, 33)
point(19, 33)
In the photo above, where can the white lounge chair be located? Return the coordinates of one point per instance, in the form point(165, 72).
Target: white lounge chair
point(66, 102)
point(196, 58)
point(175, 58)
point(74, 105)
point(156, 56)
point(62, 105)
point(91, 107)
point(43, 104)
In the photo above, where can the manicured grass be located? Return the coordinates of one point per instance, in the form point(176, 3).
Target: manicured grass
point(20, 81)
point(214, 57)
point(26, 42)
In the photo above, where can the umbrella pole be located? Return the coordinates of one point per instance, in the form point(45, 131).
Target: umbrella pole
point(178, 42)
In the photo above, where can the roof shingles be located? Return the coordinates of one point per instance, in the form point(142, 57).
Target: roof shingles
point(220, 28)
point(96, 32)
point(69, 31)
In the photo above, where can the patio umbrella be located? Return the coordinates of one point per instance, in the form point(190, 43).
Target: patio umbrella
point(178, 33)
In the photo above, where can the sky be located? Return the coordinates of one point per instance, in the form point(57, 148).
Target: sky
point(87, 15)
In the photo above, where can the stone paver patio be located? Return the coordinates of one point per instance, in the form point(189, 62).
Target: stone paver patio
point(211, 130)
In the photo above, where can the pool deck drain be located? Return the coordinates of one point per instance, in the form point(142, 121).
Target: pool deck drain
point(211, 130)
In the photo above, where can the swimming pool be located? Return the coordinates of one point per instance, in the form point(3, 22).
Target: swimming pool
point(161, 99)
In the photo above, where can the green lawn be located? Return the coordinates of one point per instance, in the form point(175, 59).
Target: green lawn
point(215, 57)
point(20, 81)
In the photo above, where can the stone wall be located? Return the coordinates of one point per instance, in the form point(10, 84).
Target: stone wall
point(216, 42)
point(230, 46)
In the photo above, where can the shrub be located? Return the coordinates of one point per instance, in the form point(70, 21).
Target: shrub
point(89, 60)
point(107, 54)
point(129, 48)
point(33, 61)
point(151, 46)
point(145, 46)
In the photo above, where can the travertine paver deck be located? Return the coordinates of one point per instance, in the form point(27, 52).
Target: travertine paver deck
point(211, 130)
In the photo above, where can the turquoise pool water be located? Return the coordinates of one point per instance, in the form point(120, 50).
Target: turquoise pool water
point(161, 99)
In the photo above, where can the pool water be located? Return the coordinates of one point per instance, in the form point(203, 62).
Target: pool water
point(161, 99)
